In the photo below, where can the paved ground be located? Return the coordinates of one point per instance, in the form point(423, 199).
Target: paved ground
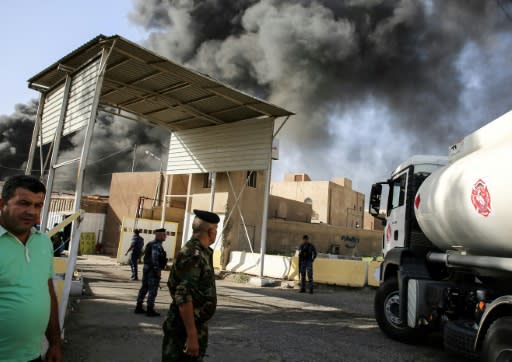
point(251, 323)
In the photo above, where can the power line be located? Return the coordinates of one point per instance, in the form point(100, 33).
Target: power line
point(110, 155)
point(89, 163)
point(14, 169)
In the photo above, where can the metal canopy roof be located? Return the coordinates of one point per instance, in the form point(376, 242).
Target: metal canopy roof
point(142, 84)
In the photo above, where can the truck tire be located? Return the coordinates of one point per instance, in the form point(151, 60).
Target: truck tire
point(498, 341)
point(459, 337)
point(387, 306)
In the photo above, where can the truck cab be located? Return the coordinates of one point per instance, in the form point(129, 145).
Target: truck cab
point(404, 245)
point(439, 273)
point(403, 184)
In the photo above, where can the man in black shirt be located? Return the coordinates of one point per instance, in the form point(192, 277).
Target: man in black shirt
point(307, 255)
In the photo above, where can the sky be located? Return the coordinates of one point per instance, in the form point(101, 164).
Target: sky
point(34, 34)
point(372, 82)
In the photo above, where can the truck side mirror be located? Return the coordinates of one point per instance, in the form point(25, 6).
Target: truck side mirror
point(375, 197)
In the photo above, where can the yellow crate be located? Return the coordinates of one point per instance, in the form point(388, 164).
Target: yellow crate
point(87, 243)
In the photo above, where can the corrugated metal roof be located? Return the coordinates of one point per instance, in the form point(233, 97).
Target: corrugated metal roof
point(147, 85)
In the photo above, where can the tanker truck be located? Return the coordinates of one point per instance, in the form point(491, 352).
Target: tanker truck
point(447, 246)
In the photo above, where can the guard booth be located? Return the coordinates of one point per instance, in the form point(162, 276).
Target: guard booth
point(214, 127)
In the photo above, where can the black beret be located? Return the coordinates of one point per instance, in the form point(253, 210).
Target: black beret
point(161, 230)
point(207, 216)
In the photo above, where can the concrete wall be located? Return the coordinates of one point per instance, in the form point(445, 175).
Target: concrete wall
point(342, 272)
point(285, 236)
point(291, 210)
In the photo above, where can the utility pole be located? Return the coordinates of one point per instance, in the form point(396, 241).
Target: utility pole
point(134, 151)
point(158, 193)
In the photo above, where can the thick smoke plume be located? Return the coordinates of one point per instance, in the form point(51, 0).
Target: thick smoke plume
point(112, 150)
point(15, 136)
point(371, 81)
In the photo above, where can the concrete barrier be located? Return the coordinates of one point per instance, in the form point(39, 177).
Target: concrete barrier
point(351, 273)
point(275, 266)
point(216, 259)
point(342, 272)
point(374, 273)
point(60, 265)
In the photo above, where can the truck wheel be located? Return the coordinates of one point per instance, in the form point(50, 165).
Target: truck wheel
point(459, 337)
point(387, 307)
point(498, 341)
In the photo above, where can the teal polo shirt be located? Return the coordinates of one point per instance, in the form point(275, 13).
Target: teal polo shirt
point(24, 294)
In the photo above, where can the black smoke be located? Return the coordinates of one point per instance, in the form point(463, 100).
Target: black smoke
point(112, 150)
point(371, 81)
point(15, 137)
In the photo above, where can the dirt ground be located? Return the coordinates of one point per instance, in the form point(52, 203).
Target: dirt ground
point(251, 323)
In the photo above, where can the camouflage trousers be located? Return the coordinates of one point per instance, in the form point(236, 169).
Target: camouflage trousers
point(175, 337)
point(306, 267)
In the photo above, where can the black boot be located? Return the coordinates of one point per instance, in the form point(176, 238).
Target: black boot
point(152, 313)
point(139, 309)
point(311, 291)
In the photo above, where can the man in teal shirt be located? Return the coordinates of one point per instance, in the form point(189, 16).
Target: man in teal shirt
point(28, 305)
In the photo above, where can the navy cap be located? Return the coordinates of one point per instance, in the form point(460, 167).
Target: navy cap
point(207, 216)
point(161, 230)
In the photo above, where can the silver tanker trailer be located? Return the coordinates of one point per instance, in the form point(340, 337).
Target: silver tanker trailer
point(448, 246)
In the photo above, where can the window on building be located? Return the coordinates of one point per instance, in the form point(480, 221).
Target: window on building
point(251, 178)
point(297, 178)
point(207, 180)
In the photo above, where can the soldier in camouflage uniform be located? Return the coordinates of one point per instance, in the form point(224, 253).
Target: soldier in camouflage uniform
point(155, 260)
point(194, 297)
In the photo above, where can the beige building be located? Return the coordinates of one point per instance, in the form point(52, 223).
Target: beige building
point(288, 219)
point(238, 196)
point(372, 223)
point(333, 202)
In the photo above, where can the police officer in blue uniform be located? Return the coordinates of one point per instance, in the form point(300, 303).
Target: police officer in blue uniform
point(155, 260)
point(307, 255)
point(136, 249)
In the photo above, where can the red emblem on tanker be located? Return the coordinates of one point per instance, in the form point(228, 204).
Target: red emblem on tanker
point(481, 198)
point(388, 233)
